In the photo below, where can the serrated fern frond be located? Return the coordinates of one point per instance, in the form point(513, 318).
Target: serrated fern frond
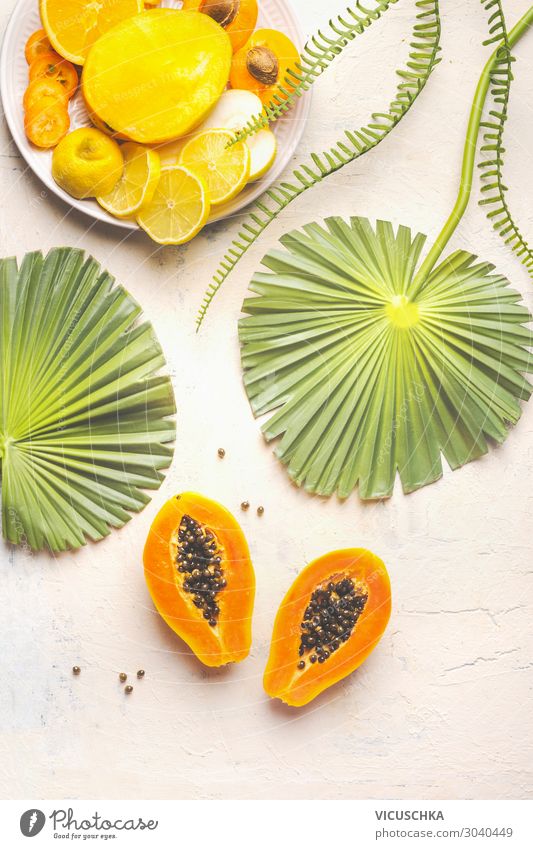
point(423, 58)
point(493, 189)
point(316, 56)
point(487, 82)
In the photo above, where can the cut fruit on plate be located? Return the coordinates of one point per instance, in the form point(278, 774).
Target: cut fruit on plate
point(50, 66)
point(155, 76)
point(46, 127)
point(237, 17)
point(225, 169)
point(235, 109)
point(263, 147)
point(264, 65)
point(138, 183)
point(43, 91)
point(37, 44)
point(179, 208)
point(74, 25)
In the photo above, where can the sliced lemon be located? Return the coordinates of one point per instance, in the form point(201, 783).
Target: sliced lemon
point(179, 208)
point(235, 109)
point(138, 183)
point(73, 26)
point(225, 169)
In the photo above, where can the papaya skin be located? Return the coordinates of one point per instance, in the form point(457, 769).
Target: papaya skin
point(230, 640)
point(282, 679)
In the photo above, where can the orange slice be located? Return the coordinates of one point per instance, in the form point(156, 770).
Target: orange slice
point(36, 44)
point(51, 66)
point(43, 89)
point(46, 127)
point(74, 25)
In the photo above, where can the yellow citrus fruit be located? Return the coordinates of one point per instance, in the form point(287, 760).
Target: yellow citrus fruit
point(225, 169)
point(235, 109)
point(137, 184)
point(74, 25)
point(87, 163)
point(179, 208)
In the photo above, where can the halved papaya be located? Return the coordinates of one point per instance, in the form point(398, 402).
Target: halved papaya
point(331, 619)
point(199, 573)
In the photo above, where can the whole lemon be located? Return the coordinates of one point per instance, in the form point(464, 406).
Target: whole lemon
point(87, 163)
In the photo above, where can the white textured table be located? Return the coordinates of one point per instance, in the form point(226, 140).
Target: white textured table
point(442, 709)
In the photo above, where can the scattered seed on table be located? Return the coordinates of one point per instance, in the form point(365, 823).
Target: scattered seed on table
point(221, 453)
point(76, 670)
point(245, 505)
point(123, 676)
point(128, 689)
point(140, 673)
point(260, 511)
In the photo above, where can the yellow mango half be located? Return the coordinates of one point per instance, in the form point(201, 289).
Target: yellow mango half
point(155, 76)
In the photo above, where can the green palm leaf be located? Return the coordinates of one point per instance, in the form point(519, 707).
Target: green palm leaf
point(369, 376)
point(83, 412)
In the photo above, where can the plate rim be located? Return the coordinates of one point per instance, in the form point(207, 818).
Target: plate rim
point(100, 215)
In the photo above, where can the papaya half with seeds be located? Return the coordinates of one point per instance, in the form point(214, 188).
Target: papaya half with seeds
point(331, 619)
point(199, 573)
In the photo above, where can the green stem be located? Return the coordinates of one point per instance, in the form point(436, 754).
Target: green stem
point(469, 154)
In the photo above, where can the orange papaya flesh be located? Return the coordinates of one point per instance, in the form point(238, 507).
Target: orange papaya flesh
point(199, 573)
point(330, 620)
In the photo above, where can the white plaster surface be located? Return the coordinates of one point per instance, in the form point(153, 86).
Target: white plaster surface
point(442, 709)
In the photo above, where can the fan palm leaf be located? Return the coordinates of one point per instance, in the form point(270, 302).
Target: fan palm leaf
point(368, 378)
point(84, 420)
point(375, 364)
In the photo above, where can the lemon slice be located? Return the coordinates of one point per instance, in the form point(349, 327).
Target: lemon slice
point(235, 109)
point(224, 169)
point(138, 183)
point(179, 208)
point(73, 26)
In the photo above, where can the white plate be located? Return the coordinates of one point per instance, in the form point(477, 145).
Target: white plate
point(274, 14)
